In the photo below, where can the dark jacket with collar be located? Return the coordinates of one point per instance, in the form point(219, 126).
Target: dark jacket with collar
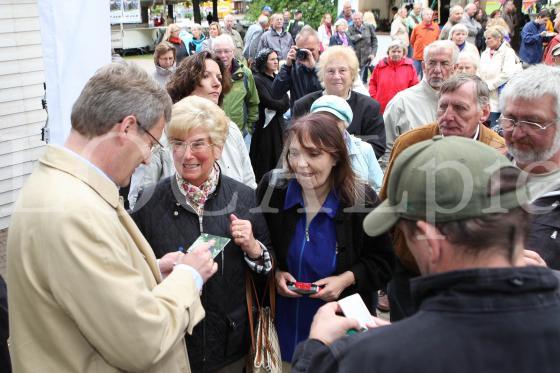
point(167, 222)
point(481, 320)
point(365, 42)
point(544, 231)
point(371, 259)
point(367, 122)
point(337, 40)
point(298, 79)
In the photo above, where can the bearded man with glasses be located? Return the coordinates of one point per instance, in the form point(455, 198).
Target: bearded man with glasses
point(530, 106)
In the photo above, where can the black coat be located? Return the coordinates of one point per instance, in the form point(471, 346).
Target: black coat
point(5, 365)
point(367, 123)
point(298, 79)
point(266, 144)
point(498, 320)
point(181, 52)
point(371, 259)
point(544, 231)
point(168, 222)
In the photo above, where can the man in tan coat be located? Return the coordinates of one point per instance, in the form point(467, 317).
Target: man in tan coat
point(85, 291)
point(462, 108)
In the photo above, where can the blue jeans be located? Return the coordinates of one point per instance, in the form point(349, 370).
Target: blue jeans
point(418, 67)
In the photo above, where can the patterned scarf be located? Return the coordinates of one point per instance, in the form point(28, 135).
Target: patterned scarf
point(196, 197)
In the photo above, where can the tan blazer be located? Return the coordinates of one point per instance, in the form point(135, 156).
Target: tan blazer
point(409, 138)
point(84, 287)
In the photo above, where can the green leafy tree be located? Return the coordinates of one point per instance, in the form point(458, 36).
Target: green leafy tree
point(312, 10)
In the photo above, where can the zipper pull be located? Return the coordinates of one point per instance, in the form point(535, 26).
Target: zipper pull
point(307, 234)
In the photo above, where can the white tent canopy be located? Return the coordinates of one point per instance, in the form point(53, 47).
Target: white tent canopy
point(76, 39)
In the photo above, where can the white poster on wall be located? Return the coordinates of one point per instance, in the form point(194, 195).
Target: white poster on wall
point(125, 11)
point(76, 40)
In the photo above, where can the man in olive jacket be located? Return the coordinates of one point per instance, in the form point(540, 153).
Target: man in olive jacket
point(241, 103)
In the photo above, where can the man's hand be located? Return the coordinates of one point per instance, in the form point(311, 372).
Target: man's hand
point(168, 261)
point(530, 258)
point(291, 56)
point(200, 258)
point(327, 326)
point(282, 279)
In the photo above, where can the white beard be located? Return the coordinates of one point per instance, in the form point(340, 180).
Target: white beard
point(533, 156)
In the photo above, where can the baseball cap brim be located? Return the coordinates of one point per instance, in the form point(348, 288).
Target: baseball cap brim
point(381, 219)
point(334, 112)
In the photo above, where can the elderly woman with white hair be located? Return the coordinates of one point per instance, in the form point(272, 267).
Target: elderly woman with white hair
point(467, 64)
point(338, 68)
point(340, 37)
point(458, 34)
point(498, 64)
point(194, 202)
point(392, 74)
point(198, 38)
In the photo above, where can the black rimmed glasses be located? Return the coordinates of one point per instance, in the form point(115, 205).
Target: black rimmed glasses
point(155, 146)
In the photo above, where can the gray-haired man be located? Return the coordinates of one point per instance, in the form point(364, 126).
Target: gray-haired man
point(530, 106)
point(86, 292)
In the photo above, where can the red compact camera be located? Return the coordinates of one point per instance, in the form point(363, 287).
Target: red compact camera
point(304, 288)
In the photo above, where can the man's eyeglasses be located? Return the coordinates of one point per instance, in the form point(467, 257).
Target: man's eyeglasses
point(443, 64)
point(197, 147)
point(508, 124)
point(223, 51)
point(156, 146)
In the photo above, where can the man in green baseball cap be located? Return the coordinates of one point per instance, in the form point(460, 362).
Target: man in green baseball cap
point(461, 206)
point(461, 110)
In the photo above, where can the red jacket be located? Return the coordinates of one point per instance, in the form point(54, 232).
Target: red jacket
point(389, 78)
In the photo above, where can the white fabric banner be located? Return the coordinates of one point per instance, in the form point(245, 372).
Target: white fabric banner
point(76, 38)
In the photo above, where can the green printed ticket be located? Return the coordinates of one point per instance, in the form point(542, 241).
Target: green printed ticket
point(219, 243)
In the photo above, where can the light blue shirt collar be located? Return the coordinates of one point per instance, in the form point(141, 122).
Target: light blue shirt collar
point(86, 161)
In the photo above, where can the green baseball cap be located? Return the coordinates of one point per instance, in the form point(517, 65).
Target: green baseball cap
point(442, 180)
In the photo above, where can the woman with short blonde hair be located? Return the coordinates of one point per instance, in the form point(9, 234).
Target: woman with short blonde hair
point(199, 199)
point(214, 30)
point(172, 36)
point(194, 112)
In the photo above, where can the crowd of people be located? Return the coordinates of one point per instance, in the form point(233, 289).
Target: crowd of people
point(427, 182)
